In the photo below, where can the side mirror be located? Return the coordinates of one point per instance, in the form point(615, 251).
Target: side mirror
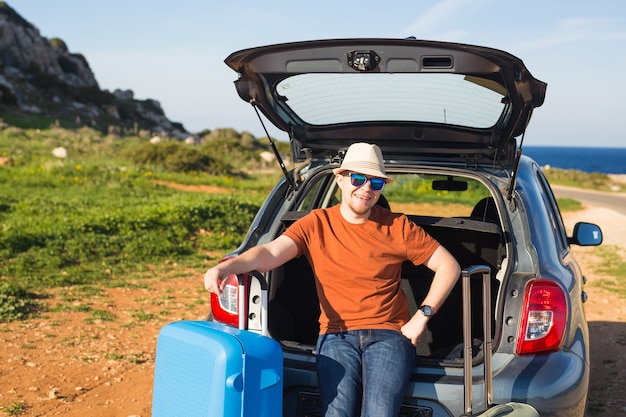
point(586, 234)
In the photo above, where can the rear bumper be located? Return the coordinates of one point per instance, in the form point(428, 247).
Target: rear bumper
point(556, 385)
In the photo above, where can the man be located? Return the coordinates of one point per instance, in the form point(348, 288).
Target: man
point(366, 347)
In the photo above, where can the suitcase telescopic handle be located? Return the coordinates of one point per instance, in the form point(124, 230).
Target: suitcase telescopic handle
point(466, 276)
point(243, 300)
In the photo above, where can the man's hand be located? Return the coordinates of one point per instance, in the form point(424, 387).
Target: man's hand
point(260, 258)
point(414, 328)
point(214, 280)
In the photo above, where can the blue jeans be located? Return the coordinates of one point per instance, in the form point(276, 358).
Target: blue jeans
point(363, 372)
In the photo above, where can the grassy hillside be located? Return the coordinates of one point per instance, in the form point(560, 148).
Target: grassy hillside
point(105, 213)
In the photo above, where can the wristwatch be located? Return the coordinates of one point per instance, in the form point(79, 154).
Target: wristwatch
point(427, 311)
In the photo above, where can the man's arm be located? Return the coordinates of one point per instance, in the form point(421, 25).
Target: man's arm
point(261, 258)
point(447, 271)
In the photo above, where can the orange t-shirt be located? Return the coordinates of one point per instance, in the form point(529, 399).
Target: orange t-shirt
point(358, 266)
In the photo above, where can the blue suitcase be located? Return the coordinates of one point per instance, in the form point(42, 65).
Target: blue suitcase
point(209, 369)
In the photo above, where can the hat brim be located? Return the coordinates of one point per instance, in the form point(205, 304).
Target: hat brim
point(365, 171)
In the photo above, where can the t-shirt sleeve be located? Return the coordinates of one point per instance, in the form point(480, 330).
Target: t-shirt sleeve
point(297, 233)
point(420, 245)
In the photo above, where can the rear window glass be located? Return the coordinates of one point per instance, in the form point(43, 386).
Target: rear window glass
point(452, 99)
point(436, 195)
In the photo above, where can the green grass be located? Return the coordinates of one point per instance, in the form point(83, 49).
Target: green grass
point(98, 218)
point(579, 179)
point(102, 216)
point(63, 229)
point(405, 188)
point(102, 315)
point(613, 264)
point(569, 204)
point(33, 121)
point(131, 358)
point(17, 303)
point(14, 409)
point(142, 315)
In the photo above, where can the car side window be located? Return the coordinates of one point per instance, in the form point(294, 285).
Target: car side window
point(319, 193)
point(440, 196)
point(556, 221)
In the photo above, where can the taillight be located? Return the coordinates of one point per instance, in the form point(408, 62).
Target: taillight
point(544, 318)
point(226, 307)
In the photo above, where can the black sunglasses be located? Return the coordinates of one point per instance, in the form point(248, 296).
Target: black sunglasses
point(359, 180)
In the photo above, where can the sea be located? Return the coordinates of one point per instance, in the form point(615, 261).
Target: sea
point(603, 160)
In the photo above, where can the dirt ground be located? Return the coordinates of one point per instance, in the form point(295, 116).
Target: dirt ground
point(100, 363)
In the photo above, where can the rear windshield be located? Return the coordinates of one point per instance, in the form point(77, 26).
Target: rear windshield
point(452, 99)
point(417, 194)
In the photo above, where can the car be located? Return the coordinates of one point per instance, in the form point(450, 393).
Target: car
point(450, 120)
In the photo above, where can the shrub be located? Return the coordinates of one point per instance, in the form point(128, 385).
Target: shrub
point(16, 303)
point(575, 178)
point(87, 237)
point(177, 157)
point(98, 217)
point(15, 409)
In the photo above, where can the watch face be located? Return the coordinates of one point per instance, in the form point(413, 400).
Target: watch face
point(427, 311)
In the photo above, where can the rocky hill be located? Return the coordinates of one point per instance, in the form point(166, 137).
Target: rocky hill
point(41, 76)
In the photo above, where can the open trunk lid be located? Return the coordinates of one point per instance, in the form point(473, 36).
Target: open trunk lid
point(415, 99)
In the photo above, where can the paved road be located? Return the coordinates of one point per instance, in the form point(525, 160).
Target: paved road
point(613, 201)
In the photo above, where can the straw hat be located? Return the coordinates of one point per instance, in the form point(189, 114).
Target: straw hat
point(364, 158)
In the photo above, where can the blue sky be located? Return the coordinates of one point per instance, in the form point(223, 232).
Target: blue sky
point(173, 52)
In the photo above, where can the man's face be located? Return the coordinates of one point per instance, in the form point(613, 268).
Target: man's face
point(359, 200)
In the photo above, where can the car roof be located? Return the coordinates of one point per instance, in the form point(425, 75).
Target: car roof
point(414, 98)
